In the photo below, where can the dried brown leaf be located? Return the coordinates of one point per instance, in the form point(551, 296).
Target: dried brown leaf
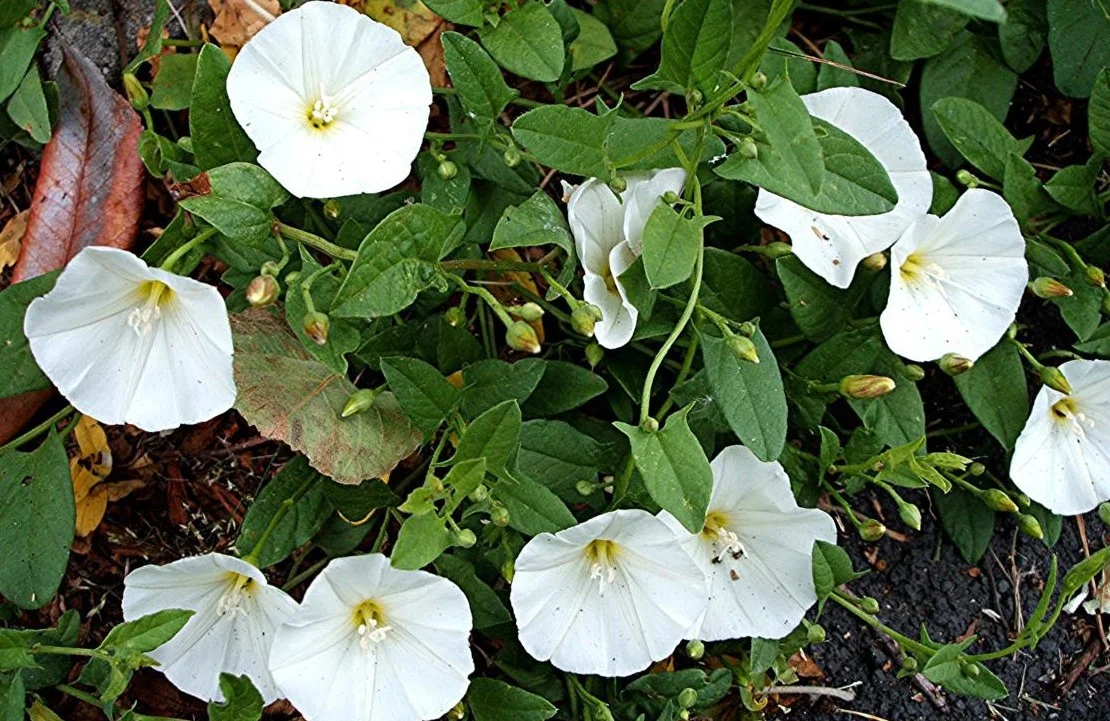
point(11, 239)
point(236, 21)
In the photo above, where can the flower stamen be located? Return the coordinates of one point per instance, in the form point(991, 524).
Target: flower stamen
point(601, 554)
point(725, 542)
point(370, 624)
point(323, 112)
point(239, 588)
point(155, 294)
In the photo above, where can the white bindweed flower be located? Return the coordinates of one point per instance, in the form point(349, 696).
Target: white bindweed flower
point(127, 343)
point(833, 245)
point(1062, 457)
point(608, 234)
point(608, 596)
point(956, 282)
point(756, 548)
point(336, 102)
point(236, 618)
point(372, 643)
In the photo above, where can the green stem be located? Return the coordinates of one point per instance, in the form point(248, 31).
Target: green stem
point(1032, 361)
point(173, 258)
point(645, 396)
point(451, 136)
point(904, 641)
point(955, 430)
point(37, 649)
point(80, 695)
point(523, 102)
point(37, 430)
point(839, 498)
point(314, 241)
point(305, 574)
point(683, 372)
point(485, 295)
point(788, 341)
point(279, 516)
point(494, 266)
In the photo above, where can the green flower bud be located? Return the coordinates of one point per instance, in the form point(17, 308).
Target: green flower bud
point(1104, 513)
point(862, 387)
point(1095, 276)
point(670, 197)
point(270, 267)
point(909, 664)
point(966, 177)
point(480, 494)
point(465, 538)
point(694, 97)
point(997, 500)
point(875, 262)
point(1023, 500)
point(585, 488)
point(913, 373)
point(649, 425)
point(455, 316)
point(332, 209)
point(1030, 526)
point(447, 170)
point(529, 311)
point(759, 81)
point(871, 530)
point(316, 326)
point(458, 712)
point(522, 337)
point(584, 318)
point(1054, 379)
point(954, 365)
point(136, 93)
point(777, 249)
point(747, 329)
point(976, 469)
point(868, 604)
point(360, 400)
point(910, 515)
point(618, 184)
point(292, 276)
point(815, 633)
point(512, 157)
point(687, 697)
point(743, 348)
point(508, 571)
point(748, 149)
point(499, 515)
point(695, 649)
point(971, 670)
point(1045, 287)
point(262, 290)
point(594, 354)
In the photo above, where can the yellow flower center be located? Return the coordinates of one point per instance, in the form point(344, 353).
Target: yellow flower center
point(1064, 409)
point(602, 554)
point(914, 267)
point(153, 296)
point(323, 112)
point(369, 621)
point(239, 587)
point(724, 542)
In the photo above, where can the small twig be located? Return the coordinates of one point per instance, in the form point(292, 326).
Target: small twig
point(837, 693)
point(927, 687)
point(1090, 653)
point(1082, 526)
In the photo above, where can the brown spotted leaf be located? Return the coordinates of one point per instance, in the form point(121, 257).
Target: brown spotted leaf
point(292, 397)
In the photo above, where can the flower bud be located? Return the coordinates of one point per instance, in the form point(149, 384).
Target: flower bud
point(1095, 276)
point(618, 184)
point(743, 348)
point(529, 311)
point(447, 170)
point(748, 149)
point(815, 633)
point(1104, 513)
point(332, 209)
point(910, 515)
point(499, 515)
point(1030, 526)
point(262, 290)
point(687, 697)
point(479, 494)
point(976, 469)
point(862, 387)
point(455, 316)
point(522, 337)
point(458, 712)
point(1045, 287)
point(913, 373)
point(868, 604)
point(747, 329)
point(997, 500)
point(875, 262)
point(777, 249)
point(971, 670)
point(871, 530)
point(136, 93)
point(316, 326)
point(594, 354)
point(670, 197)
point(584, 318)
point(1054, 379)
point(695, 649)
point(1023, 500)
point(694, 97)
point(909, 664)
point(585, 488)
point(966, 177)
point(759, 81)
point(954, 365)
point(292, 276)
point(465, 538)
point(649, 425)
point(360, 400)
point(270, 267)
point(512, 157)
point(508, 571)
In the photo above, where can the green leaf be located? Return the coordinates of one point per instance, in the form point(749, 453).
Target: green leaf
point(460, 12)
point(152, 47)
point(1081, 573)
point(1074, 187)
point(978, 135)
point(764, 654)
point(969, 70)
point(695, 47)
point(1024, 191)
point(563, 387)
point(750, 395)
point(216, 135)
point(343, 335)
point(593, 45)
point(1023, 35)
point(481, 88)
point(994, 389)
point(397, 260)
point(420, 541)
point(17, 49)
point(991, 10)
point(13, 696)
point(494, 435)
point(734, 287)
point(147, 633)
point(36, 522)
point(491, 381)
point(11, 13)
point(947, 668)
point(21, 373)
point(967, 522)
point(238, 203)
point(634, 24)
point(173, 85)
point(242, 701)
point(27, 107)
point(532, 507)
point(558, 455)
point(789, 135)
point(572, 140)
point(833, 76)
point(14, 654)
point(832, 567)
point(536, 221)
point(301, 522)
point(922, 30)
point(290, 396)
point(528, 42)
point(819, 309)
point(424, 394)
point(1098, 342)
point(1098, 113)
point(674, 468)
point(485, 605)
point(1079, 40)
point(671, 245)
point(493, 700)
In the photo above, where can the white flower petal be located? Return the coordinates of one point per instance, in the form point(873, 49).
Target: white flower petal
point(618, 317)
point(231, 630)
point(641, 197)
point(613, 620)
point(596, 220)
point(969, 279)
point(1059, 461)
point(377, 86)
point(764, 586)
point(833, 245)
point(178, 372)
point(417, 670)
